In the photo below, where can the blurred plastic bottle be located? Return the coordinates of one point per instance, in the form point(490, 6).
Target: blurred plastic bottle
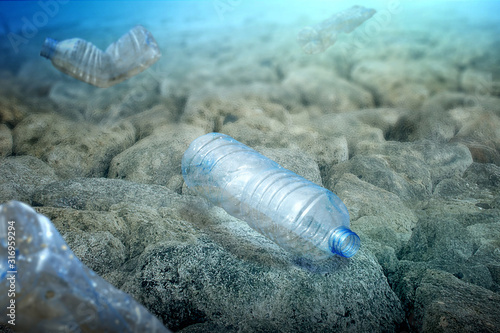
point(131, 54)
point(318, 38)
point(300, 216)
point(54, 291)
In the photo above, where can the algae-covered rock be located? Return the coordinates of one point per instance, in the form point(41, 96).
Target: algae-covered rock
point(445, 303)
point(101, 194)
point(12, 111)
point(355, 126)
point(5, 141)
point(318, 89)
point(204, 281)
point(101, 251)
point(402, 176)
point(21, 175)
point(431, 240)
point(156, 159)
point(405, 84)
point(214, 108)
point(484, 176)
point(72, 149)
point(437, 160)
point(375, 210)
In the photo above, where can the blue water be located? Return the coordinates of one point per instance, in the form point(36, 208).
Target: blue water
point(218, 42)
point(204, 42)
point(24, 24)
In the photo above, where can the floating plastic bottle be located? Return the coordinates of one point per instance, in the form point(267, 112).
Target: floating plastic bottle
point(300, 216)
point(45, 288)
point(131, 54)
point(323, 35)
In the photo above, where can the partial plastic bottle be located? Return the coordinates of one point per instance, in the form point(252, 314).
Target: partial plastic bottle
point(54, 291)
point(131, 54)
point(300, 216)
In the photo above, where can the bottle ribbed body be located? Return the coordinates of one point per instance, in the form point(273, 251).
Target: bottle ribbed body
point(298, 215)
point(131, 54)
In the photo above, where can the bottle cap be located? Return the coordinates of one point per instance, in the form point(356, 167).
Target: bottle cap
point(48, 47)
point(344, 242)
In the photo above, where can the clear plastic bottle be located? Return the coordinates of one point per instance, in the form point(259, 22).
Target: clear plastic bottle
point(131, 54)
point(323, 35)
point(54, 291)
point(300, 216)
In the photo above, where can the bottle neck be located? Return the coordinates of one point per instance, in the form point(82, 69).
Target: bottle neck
point(344, 242)
point(48, 48)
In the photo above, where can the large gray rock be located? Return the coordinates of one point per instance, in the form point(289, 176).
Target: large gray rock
point(5, 141)
point(101, 194)
point(457, 117)
point(485, 176)
point(358, 126)
point(409, 170)
point(442, 240)
point(156, 159)
point(479, 187)
point(405, 84)
point(101, 251)
point(444, 303)
point(20, 175)
point(478, 82)
point(400, 175)
point(189, 262)
point(322, 91)
point(68, 220)
point(204, 282)
point(458, 236)
point(73, 149)
point(104, 240)
point(442, 160)
point(234, 277)
point(450, 264)
point(260, 130)
point(12, 111)
point(439, 301)
point(376, 211)
point(479, 132)
point(432, 122)
point(379, 217)
point(211, 108)
point(160, 115)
